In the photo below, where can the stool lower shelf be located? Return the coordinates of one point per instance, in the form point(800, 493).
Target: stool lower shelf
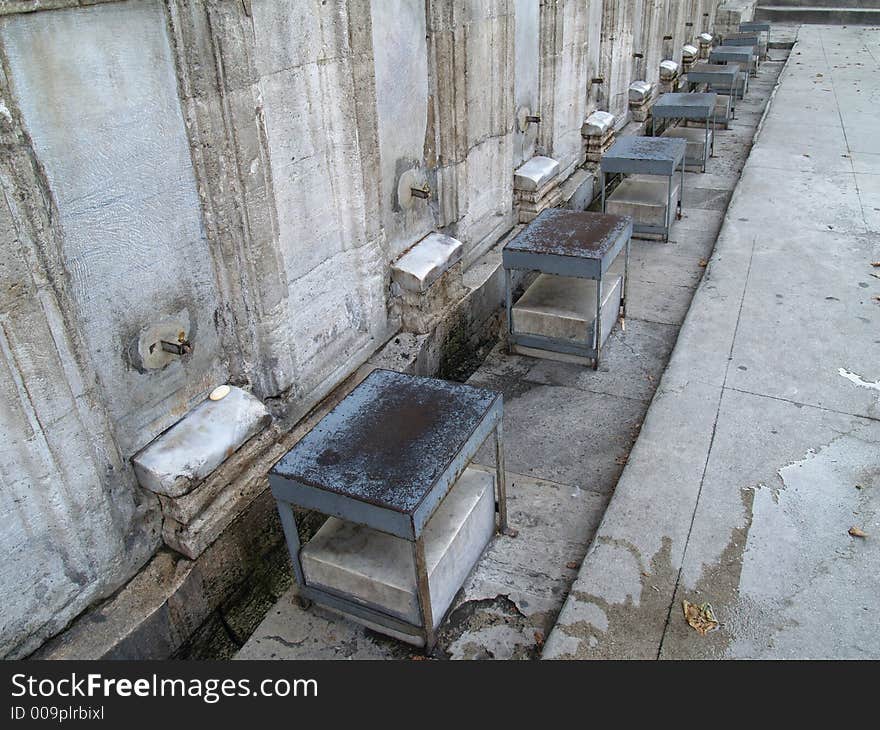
point(645, 199)
point(561, 310)
point(724, 113)
point(698, 143)
point(376, 570)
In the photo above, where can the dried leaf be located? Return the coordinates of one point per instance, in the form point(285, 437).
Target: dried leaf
point(700, 618)
point(857, 532)
point(539, 639)
point(572, 565)
point(703, 263)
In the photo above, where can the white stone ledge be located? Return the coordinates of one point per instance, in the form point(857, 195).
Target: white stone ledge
point(535, 173)
point(175, 462)
point(426, 262)
point(598, 124)
point(640, 91)
point(668, 70)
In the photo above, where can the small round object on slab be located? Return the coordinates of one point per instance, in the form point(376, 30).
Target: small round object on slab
point(220, 392)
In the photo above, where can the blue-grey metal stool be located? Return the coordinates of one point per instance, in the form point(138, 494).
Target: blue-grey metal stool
point(659, 156)
point(385, 458)
point(745, 57)
point(573, 244)
point(754, 26)
point(747, 40)
point(721, 79)
point(696, 107)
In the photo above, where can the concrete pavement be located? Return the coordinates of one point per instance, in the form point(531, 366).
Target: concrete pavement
point(761, 448)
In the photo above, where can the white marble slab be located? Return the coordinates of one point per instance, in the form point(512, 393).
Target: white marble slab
point(695, 138)
point(644, 198)
point(668, 70)
point(425, 262)
point(640, 91)
point(535, 173)
point(598, 124)
point(564, 307)
point(175, 462)
point(378, 569)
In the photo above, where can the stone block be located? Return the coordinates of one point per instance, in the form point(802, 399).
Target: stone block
point(425, 262)
point(669, 70)
point(644, 198)
point(598, 124)
point(640, 92)
point(530, 209)
point(695, 138)
point(179, 459)
point(378, 569)
point(564, 307)
point(535, 173)
point(420, 311)
point(598, 145)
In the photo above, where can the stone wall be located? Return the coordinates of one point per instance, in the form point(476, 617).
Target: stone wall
point(232, 172)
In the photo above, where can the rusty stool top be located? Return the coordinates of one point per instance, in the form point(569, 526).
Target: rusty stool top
point(396, 443)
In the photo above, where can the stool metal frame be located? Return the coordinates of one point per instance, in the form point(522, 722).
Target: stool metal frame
point(568, 243)
point(734, 54)
point(696, 107)
point(720, 79)
point(385, 457)
point(659, 156)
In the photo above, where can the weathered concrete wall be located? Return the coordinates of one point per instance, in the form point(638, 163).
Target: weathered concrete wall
point(401, 61)
point(105, 124)
point(323, 175)
point(527, 87)
point(231, 171)
point(619, 24)
point(570, 36)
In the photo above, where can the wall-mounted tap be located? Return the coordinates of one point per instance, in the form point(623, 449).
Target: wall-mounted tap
point(180, 348)
point(639, 61)
point(162, 342)
point(412, 185)
point(525, 118)
point(423, 192)
point(598, 81)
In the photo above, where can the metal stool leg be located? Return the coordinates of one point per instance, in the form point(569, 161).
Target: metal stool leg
point(424, 593)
